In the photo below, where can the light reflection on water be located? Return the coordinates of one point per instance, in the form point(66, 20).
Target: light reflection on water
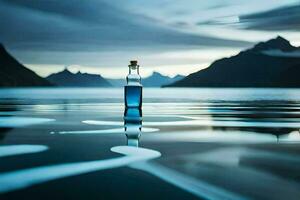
point(10, 150)
point(238, 137)
point(13, 122)
point(106, 131)
point(21, 179)
point(205, 122)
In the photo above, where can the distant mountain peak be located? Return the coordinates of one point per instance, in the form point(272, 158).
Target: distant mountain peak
point(157, 74)
point(178, 76)
point(157, 79)
point(276, 43)
point(65, 71)
point(279, 38)
point(78, 79)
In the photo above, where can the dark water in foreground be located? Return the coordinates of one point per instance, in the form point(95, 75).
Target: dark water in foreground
point(196, 144)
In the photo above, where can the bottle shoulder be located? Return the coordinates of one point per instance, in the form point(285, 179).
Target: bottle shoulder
point(133, 79)
point(134, 84)
point(133, 76)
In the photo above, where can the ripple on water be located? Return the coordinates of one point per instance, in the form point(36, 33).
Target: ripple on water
point(106, 131)
point(21, 179)
point(205, 122)
point(13, 122)
point(11, 150)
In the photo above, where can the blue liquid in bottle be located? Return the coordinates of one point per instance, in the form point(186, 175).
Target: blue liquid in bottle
point(133, 96)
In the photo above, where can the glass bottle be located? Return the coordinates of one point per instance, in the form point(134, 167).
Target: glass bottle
point(133, 88)
point(133, 105)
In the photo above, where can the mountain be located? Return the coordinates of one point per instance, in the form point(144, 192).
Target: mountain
point(14, 74)
point(154, 80)
point(277, 43)
point(290, 77)
point(157, 80)
point(66, 78)
point(255, 67)
point(178, 77)
point(117, 82)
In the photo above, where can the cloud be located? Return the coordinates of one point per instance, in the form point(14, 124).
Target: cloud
point(281, 19)
point(279, 53)
point(224, 20)
point(92, 25)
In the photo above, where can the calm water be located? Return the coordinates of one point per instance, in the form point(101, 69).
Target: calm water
point(270, 111)
point(202, 143)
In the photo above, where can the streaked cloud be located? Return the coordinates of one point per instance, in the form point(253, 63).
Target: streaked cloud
point(92, 25)
point(172, 36)
point(284, 18)
point(279, 53)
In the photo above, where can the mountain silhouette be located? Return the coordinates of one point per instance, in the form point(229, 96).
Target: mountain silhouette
point(255, 67)
point(66, 78)
point(276, 43)
point(14, 74)
point(157, 80)
point(154, 80)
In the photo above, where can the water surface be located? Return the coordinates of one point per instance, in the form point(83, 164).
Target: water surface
point(214, 143)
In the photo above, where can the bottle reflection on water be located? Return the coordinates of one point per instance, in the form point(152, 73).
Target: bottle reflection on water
point(133, 105)
point(133, 125)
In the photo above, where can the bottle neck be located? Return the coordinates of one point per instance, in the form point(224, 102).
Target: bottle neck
point(133, 78)
point(134, 70)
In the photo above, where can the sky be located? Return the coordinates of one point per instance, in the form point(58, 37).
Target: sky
point(168, 36)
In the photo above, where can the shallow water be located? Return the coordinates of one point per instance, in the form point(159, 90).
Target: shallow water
point(203, 135)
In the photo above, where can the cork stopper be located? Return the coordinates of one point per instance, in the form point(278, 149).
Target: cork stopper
point(133, 62)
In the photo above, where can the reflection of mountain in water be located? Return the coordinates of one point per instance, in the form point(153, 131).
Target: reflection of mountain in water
point(274, 63)
point(263, 112)
point(3, 132)
point(8, 107)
